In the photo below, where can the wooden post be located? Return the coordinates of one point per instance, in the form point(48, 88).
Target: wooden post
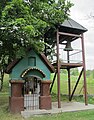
point(69, 82)
point(76, 84)
point(58, 71)
point(53, 82)
point(84, 71)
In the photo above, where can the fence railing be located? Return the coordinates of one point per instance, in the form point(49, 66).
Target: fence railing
point(75, 56)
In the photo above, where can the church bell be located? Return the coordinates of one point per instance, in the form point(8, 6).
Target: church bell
point(68, 46)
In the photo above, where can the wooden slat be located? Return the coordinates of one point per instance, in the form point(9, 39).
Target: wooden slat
point(68, 65)
point(69, 34)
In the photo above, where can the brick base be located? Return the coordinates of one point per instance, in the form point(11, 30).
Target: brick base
point(16, 104)
point(45, 102)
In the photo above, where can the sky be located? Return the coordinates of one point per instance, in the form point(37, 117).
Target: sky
point(81, 12)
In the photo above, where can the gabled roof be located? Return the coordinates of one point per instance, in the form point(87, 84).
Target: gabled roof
point(43, 58)
point(68, 26)
point(46, 61)
point(12, 65)
point(70, 23)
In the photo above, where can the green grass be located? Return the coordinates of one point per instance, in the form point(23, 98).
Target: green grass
point(79, 90)
point(81, 115)
point(5, 84)
point(5, 115)
point(64, 84)
point(4, 110)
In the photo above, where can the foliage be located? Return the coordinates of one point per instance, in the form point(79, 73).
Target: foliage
point(24, 23)
point(64, 71)
point(74, 72)
point(90, 74)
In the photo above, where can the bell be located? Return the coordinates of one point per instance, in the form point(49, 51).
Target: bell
point(68, 46)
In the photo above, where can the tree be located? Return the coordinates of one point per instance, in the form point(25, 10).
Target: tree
point(23, 24)
point(88, 73)
point(74, 71)
point(2, 61)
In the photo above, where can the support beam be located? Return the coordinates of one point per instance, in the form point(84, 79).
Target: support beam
point(69, 34)
point(58, 72)
point(76, 84)
point(53, 82)
point(69, 83)
point(84, 72)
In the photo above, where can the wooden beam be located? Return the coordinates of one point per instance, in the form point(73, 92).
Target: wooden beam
point(69, 83)
point(53, 82)
point(76, 84)
point(84, 73)
point(58, 72)
point(69, 34)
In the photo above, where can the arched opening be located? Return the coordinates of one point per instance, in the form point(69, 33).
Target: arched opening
point(31, 93)
point(31, 89)
point(32, 85)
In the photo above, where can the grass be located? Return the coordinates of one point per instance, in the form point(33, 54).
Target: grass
point(5, 84)
point(4, 111)
point(5, 115)
point(79, 90)
point(81, 115)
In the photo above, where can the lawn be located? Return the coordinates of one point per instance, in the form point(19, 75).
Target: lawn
point(82, 115)
point(79, 90)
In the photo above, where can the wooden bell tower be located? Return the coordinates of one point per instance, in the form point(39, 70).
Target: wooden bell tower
point(66, 33)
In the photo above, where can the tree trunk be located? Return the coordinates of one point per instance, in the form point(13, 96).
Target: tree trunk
point(1, 79)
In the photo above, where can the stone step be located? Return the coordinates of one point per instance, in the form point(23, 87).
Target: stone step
point(29, 113)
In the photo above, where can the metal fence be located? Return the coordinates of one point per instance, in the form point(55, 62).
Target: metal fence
point(31, 94)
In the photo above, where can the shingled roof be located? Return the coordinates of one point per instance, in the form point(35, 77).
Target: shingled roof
point(70, 23)
point(68, 26)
